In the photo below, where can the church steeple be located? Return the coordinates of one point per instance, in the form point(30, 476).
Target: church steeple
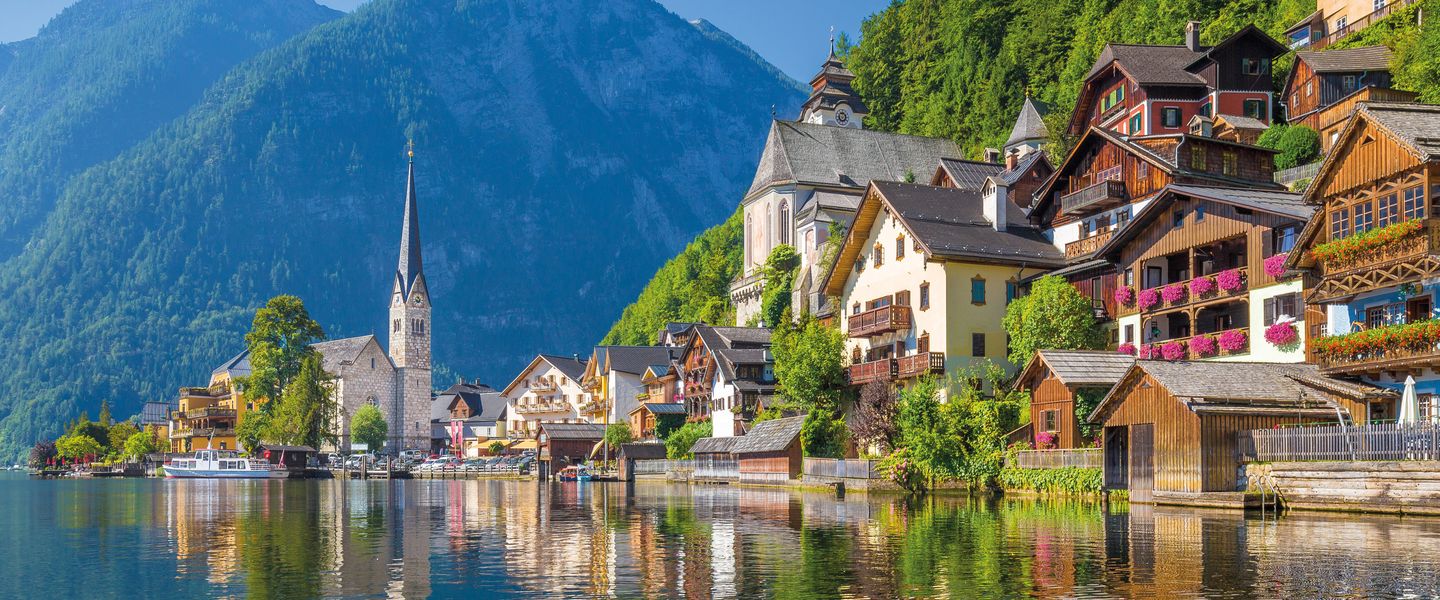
point(411, 268)
point(410, 319)
point(832, 100)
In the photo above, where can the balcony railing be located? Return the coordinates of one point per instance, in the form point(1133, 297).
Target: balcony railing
point(885, 369)
point(1412, 247)
point(925, 363)
point(210, 412)
point(1155, 350)
point(1189, 297)
point(1087, 246)
point(1394, 347)
point(880, 320)
point(1110, 191)
point(201, 433)
point(1360, 23)
point(204, 392)
point(542, 407)
point(542, 386)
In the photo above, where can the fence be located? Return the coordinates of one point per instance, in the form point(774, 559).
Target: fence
point(840, 468)
point(1387, 441)
point(702, 468)
point(1286, 177)
point(1090, 458)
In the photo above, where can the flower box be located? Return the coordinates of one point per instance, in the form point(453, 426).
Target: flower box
point(1229, 280)
point(1202, 346)
point(1349, 249)
point(1232, 340)
point(1282, 334)
point(1200, 286)
point(1126, 348)
point(1417, 336)
point(1148, 298)
point(1124, 295)
point(1173, 293)
point(1275, 265)
point(1172, 350)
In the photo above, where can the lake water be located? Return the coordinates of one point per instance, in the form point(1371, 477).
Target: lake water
point(520, 539)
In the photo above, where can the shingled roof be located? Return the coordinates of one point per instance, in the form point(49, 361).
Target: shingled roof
point(1150, 64)
point(824, 155)
point(1030, 125)
point(969, 174)
point(337, 353)
point(1240, 387)
point(572, 367)
point(771, 436)
point(573, 431)
point(1080, 368)
point(951, 223)
point(237, 366)
point(1284, 204)
point(714, 445)
point(1416, 125)
point(1347, 60)
point(634, 359)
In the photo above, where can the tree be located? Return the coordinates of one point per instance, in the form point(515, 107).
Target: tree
point(823, 434)
point(77, 446)
point(677, 446)
point(141, 444)
point(104, 418)
point(874, 416)
point(368, 427)
point(1053, 316)
point(618, 434)
point(254, 427)
point(665, 424)
point(779, 272)
point(87, 428)
point(120, 433)
point(306, 407)
point(497, 447)
point(279, 340)
point(41, 454)
point(810, 364)
point(1298, 145)
point(963, 437)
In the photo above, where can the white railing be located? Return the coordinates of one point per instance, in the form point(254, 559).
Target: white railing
point(1088, 458)
point(1384, 441)
point(841, 468)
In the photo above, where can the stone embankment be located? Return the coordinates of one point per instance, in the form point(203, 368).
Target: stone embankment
point(1405, 487)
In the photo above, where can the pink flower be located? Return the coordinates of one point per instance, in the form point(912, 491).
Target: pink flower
point(1229, 280)
point(1148, 298)
point(1147, 352)
point(1200, 286)
point(1173, 292)
point(1275, 265)
point(1202, 345)
point(1282, 334)
point(1124, 295)
point(1045, 439)
point(1173, 350)
point(1126, 348)
point(1232, 340)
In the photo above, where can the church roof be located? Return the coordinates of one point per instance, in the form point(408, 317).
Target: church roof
point(337, 353)
point(824, 155)
point(1030, 125)
point(410, 268)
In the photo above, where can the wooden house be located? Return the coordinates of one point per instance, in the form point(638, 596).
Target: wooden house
point(1381, 178)
point(1171, 427)
point(648, 416)
point(1192, 266)
point(568, 443)
point(771, 451)
point(714, 448)
point(1054, 377)
point(728, 375)
point(1324, 88)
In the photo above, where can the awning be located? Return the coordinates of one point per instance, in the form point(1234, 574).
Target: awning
point(526, 445)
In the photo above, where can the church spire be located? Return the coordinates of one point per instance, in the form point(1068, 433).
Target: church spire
point(832, 99)
point(410, 267)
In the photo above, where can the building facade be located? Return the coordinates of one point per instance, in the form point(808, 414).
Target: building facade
point(548, 390)
point(205, 418)
point(728, 375)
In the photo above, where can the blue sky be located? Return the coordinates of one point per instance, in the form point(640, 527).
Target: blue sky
point(792, 34)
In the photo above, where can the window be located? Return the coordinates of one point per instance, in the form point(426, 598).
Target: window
point(899, 247)
point(1282, 239)
point(1254, 66)
point(924, 296)
point(855, 358)
point(859, 265)
point(1130, 334)
point(395, 326)
point(1374, 317)
point(1347, 83)
point(1142, 170)
point(1011, 290)
point(1418, 309)
point(977, 345)
point(1115, 96)
point(922, 343)
point(1229, 163)
point(1122, 216)
point(1255, 109)
point(1339, 223)
point(1378, 5)
point(784, 223)
point(902, 298)
point(1364, 218)
point(1284, 305)
point(977, 291)
point(1198, 160)
point(372, 362)
point(1199, 213)
point(879, 255)
point(1309, 89)
point(1341, 23)
point(1177, 218)
point(855, 308)
point(1205, 109)
point(1129, 276)
point(1387, 210)
point(1415, 203)
point(1171, 116)
point(1050, 420)
point(1136, 123)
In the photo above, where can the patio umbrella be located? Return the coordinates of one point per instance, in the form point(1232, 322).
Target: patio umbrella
point(1409, 404)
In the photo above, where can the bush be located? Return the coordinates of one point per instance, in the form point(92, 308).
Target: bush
point(1069, 480)
point(1297, 144)
point(618, 434)
point(677, 446)
point(824, 434)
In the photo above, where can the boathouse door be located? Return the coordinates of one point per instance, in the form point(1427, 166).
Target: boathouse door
point(1117, 458)
point(1142, 462)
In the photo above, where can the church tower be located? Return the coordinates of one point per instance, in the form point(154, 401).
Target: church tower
point(409, 420)
point(832, 100)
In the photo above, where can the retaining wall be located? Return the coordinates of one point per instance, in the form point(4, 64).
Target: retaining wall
point(1407, 487)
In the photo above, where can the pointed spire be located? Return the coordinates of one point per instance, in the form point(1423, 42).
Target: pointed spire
point(410, 265)
point(832, 41)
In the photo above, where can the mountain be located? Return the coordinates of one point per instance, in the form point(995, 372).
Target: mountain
point(563, 151)
point(103, 75)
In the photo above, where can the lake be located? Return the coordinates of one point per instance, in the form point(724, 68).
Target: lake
point(521, 539)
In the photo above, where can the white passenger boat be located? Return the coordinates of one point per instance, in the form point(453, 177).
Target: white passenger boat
point(219, 464)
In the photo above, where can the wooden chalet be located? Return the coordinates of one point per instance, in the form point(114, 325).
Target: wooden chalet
point(1321, 79)
point(1210, 244)
point(1149, 90)
point(1230, 128)
point(727, 370)
point(568, 443)
point(1171, 427)
point(648, 415)
point(771, 451)
point(1054, 377)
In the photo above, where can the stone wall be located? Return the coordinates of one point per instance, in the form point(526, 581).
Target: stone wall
point(369, 378)
point(1409, 487)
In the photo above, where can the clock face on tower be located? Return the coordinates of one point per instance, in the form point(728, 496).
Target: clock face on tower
point(842, 116)
point(417, 300)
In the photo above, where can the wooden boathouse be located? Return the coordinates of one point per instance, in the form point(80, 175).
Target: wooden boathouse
point(1054, 377)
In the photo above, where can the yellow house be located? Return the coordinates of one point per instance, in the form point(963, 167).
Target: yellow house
point(207, 416)
point(925, 275)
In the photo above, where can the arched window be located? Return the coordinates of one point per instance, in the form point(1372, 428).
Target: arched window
point(750, 240)
point(784, 223)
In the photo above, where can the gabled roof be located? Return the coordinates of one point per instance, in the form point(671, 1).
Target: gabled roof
point(484, 403)
point(1079, 368)
point(714, 445)
point(1241, 122)
point(967, 174)
point(770, 436)
point(633, 359)
point(237, 366)
point(573, 431)
point(573, 368)
point(337, 353)
point(1284, 204)
point(663, 408)
point(846, 157)
point(1030, 125)
point(1240, 387)
point(156, 412)
point(1150, 64)
point(1023, 166)
point(655, 372)
point(1347, 60)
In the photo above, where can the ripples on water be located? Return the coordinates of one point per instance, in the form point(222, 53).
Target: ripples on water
point(411, 539)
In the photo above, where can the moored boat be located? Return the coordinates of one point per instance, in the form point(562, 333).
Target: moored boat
point(219, 464)
point(574, 473)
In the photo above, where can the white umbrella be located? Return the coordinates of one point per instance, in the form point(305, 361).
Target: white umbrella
point(1409, 404)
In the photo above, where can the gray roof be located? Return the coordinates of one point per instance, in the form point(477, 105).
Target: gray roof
point(970, 174)
point(834, 200)
point(1087, 367)
point(484, 402)
point(770, 436)
point(1022, 166)
point(1030, 125)
point(1147, 64)
point(574, 368)
point(1243, 122)
point(742, 336)
point(714, 445)
point(335, 353)
point(951, 223)
point(843, 156)
point(409, 270)
point(1241, 387)
point(1347, 60)
point(1417, 125)
point(573, 431)
point(237, 366)
point(1281, 203)
point(156, 412)
point(634, 359)
point(665, 408)
point(643, 450)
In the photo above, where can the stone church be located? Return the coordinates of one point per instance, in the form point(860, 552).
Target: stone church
point(397, 381)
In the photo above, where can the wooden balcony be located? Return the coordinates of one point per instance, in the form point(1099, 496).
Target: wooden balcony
point(204, 392)
point(1087, 246)
point(880, 320)
point(1394, 359)
point(925, 363)
point(885, 369)
point(1410, 259)
point(1105, 194)
point(211, 412)
point(1190, 355)
point(1190, 298)
point(541, 386)
point(530, 408)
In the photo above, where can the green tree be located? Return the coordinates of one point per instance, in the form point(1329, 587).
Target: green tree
point(692, 287)
point(368, 427)
point(810, 365)
point(120, 433)
point(280, 338)
point(665, 424)
point(306, 407)
point(823, 434)
point(618, 434)
point(964, 436)
point(677, 446)
point(253, 429)
point(497, 447)
point(104, 418)
point(779, 271)
point(141, 444)
point(1053, 316)
point(1297, 144)
point(87, 428)
point(77, 446)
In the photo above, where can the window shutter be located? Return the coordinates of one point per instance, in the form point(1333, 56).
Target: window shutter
point(1269, 311)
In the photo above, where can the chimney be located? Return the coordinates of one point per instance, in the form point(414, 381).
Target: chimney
point(992, 155)
point(996, 196)
point(1192, 36)
point(1012, 158)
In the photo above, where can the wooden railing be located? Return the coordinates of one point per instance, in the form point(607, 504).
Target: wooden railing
point(1382, 441)
point(1374, 362)
point(202, 433)
point(541, 385)
point(1341, 110)
point(1185, 341)
point(1110, 190)
point(839, 468)
point(885, 369)
point(1189, 298)
point(204, 392)
point(924, 363)
point(209, 412)
point(880, 320)
point(1087, 458)
point(1088, 246)
point(541, 407)
point(1416, 246)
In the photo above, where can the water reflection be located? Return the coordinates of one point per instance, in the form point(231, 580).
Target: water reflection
point(522, 539)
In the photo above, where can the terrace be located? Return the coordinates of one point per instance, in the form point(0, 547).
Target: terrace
point(1105, 194)
point(880, 320)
